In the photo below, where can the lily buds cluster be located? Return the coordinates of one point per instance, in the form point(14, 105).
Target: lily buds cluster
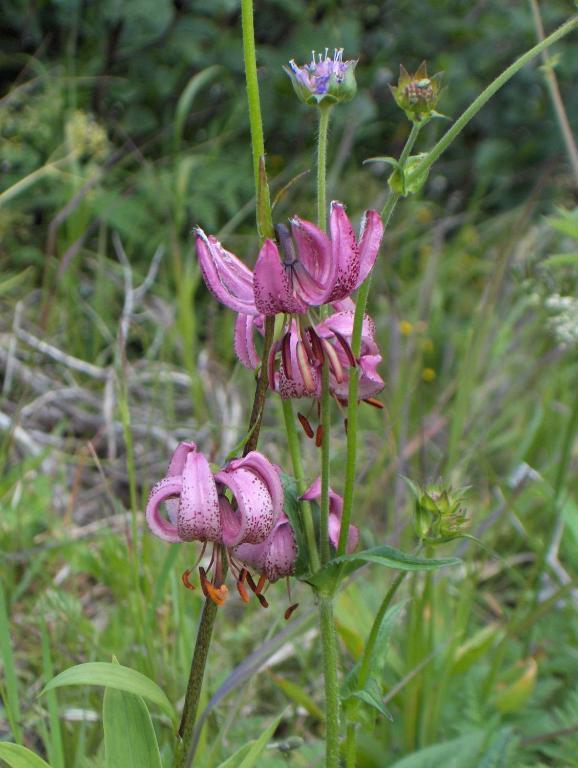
point(326, 80)
point(418, 94)
point(439, 514)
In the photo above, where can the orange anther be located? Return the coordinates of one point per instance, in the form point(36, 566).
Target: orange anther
point(307, 428)
point(374, 402)
point(319, 436)
point(242, 590)
point(261, 584)
point(289, 612)
point(185, 579)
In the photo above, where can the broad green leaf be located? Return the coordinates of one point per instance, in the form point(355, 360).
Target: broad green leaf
point(475, 647)
point(129, 737)
point(457, 753)
point(329, 576)
point(248, 754)
point(16, 756)
point(113, 676)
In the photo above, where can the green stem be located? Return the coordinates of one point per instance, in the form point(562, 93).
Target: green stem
point(264, 218)
point(295, 453)
point(195, 684)
point(325, 463)
point(329, 653)
point(488, 92)
point(265, 225)
point(324, 112)
point(353, 394)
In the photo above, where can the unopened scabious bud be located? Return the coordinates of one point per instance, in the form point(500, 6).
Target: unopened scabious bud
point(418, 94)
point(326, 80)
point(439, 514)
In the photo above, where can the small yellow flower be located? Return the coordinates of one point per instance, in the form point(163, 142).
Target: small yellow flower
point(405, 327)
point(428, 374)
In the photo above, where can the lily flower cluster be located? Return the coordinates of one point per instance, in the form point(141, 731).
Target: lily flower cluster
point(239, 512)
point(307, 269)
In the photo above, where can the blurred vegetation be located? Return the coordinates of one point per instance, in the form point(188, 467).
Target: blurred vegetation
point(122, 125)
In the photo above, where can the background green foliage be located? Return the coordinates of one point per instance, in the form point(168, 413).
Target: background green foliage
point(122, 125)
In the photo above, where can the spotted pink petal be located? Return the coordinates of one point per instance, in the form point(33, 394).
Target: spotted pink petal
point(198, 517)
point(369, 242)
point(176, 467)
point(228, 279)
point(345, 253)
point(291, 383)
point(244, 341)
point(313, 493)
point(370, 382)
point(315, 270)
point(168, 488)
point(275, 557)
point(272, 285)
point(258, 493)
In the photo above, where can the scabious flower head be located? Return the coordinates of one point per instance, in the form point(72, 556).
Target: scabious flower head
point(326, 80)
point(417, 94)
point(241, 503)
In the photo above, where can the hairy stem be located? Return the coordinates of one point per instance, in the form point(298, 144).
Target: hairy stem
point(324, 112)
point(492, 89)
point(353, 394)
point(265, 225)
point(330, 662)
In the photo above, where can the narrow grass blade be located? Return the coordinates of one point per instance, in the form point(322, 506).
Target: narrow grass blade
point(54, 735)
point(10, 692)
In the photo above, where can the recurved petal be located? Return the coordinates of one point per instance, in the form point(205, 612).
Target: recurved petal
point(256, 486)
point(369, 241)
point(345, 253)
point(228, 279)
point(370, 382)
point(176, 467)
point(282, 552)
point(272, 285)
point(166, 489)
point(198, 517)
point(335, 531)
point(313, 493)
point(316, 269)
point(244, 341)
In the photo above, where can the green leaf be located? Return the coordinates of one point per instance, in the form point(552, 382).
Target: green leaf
point(457, 753)
point(187, 97)
point(560, 260)
point(498, 754)
point(248, 754)
point(373, 696)
point(113, 676)
point(16, 756)
point(291, 509)
point(328, 577)
point(129, 737)
point(298, 695)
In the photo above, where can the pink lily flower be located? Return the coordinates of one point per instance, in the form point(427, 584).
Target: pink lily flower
point(313, 493)
point(302, 352)
point(239, 504)
point(315, 268)
point(274, 557)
